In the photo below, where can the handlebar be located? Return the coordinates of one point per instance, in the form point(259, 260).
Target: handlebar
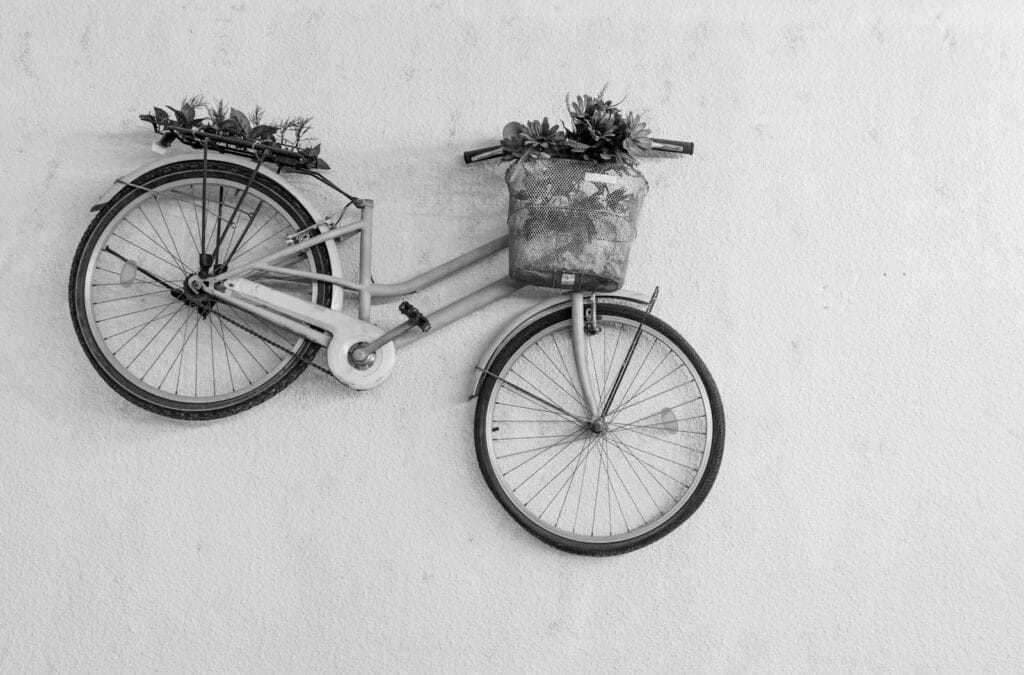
point(666, 145)
point(482, 154)
point(657, 145)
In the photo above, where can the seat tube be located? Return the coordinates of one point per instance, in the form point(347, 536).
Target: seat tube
point(582, 356)
point(365, 259)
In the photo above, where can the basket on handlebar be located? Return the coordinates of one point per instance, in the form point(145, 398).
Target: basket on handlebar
point(572, 223)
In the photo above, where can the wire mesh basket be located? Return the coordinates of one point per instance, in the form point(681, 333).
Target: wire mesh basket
point(572, 223)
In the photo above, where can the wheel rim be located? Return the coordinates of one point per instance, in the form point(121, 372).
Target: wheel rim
point(164, 345)
point(614, 484)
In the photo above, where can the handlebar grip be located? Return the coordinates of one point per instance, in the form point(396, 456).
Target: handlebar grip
point(681, 147)
point(481, 154)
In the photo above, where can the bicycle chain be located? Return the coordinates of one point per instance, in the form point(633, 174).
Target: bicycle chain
point(307, 360)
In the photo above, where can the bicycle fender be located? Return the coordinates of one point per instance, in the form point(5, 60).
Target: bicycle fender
point(191, 155)
point(532, 314)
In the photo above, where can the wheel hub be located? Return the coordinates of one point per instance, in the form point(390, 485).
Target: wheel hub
point(192, 294)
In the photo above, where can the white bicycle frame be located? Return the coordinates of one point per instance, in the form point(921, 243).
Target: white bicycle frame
point(316, 322)
point(321, 324)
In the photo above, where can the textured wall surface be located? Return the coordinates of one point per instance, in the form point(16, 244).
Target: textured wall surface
point(843, 250)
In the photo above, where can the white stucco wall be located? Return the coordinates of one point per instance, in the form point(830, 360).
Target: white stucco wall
point(844, 251)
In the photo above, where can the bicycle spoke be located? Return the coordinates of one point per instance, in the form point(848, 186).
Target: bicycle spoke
point(163, 282)
point(156, 360)
point(541, 394)
point(130, 297)
point(570, 437)
point(228, 350)
point(627, 448)
point(176, 255)
point(565, 364)
point(247, 350)
point(579, 495)
point(597, 492)
point(658, 425)
point(149, 253)
point(607, 404)
point(134, 311)
point(571, 394)
point(140, 326)
point(567, 484)
point(626, 488)
point(177, 358)
point(176, 262)
point(522, 392)
point(651, 386)
point(151, 339)
point(188, 230)
point(563, 371)
point(568, 440)
point(537, 470)
point(543, 410)
point(664, 459)
point(574, 458)
point(660, 393)
point(625, 458)
point(665, 440)
point(240, 256)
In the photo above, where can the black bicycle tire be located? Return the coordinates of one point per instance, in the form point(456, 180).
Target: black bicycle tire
point(120, 384)
point(586, 548)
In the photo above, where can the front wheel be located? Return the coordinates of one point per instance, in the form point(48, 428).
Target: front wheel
point(606, 486)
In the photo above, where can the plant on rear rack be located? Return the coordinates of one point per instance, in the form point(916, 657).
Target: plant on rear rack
point(223, 120)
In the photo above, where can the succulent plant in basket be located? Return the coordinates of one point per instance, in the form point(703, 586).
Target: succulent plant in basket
point(575, 195)
point(600, 132)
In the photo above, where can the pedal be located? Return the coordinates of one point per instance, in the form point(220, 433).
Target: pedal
point(415, 317)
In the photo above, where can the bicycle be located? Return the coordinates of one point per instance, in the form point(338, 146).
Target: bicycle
point(205, 285)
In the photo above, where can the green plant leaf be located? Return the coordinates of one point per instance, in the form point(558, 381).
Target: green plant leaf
point(180, 116)
point(239, 118)
point(263, 132)
point(512, 129)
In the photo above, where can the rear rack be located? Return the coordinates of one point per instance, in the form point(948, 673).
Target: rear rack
point(234, 145)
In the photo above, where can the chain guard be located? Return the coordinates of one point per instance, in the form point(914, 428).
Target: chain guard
point(346, 331)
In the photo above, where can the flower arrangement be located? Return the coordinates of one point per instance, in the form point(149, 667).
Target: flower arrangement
point(600, 132)
point(288, 134)
point(575, 195)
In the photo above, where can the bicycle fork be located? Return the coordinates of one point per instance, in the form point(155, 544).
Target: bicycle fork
point(582, 357)
point(581, 327)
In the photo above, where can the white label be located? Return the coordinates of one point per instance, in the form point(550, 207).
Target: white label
point(600, 178)
point(568, 279)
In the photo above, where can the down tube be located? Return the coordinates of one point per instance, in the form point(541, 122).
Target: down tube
point(462, 307)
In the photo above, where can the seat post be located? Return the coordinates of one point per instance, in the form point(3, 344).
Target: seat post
point(365, 256)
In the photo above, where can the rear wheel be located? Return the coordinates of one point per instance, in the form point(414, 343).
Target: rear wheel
point(607, 486)
point(156, 342)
